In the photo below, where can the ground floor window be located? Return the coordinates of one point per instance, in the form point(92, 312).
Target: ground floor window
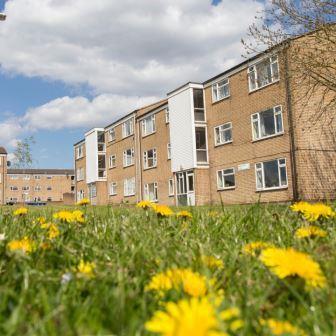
point(171, 187)
point(92, 191)
point(113, 188)
point(226, 179)
point(129, 187)
point(271, 174)
point(151, 192)
point(80, 195)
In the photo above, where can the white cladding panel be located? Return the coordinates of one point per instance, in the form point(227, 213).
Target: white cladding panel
point(91, 144)
point(181, 125)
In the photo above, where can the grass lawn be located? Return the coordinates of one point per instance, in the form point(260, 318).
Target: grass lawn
point(43, 292)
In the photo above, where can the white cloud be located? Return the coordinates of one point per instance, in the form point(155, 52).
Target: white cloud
point(127, 47)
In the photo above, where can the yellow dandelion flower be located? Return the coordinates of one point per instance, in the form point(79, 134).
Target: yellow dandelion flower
point(41, 220)
point(229, 313)
point(184, 215)
point(213, 214)
point(196, 317)
point(84, 201)
point(78, 216)
point(313, 212)
point(281, 327)
point(24, 245)
point(45, 225)
point(300, 206)
point(64, 216)
point(287, 262)
point(163, 210)
point(310, 231)
point(193, 283)
point(86, 268)
point(255, 248)
point(212, 262)
point(145, 205)
point(53, 231)
point(236, 325)
point(20, 212)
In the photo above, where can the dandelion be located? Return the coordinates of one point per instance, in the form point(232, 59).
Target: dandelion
point(41, 220)
point(162, 210)
point(24, 245)
point(212, 262)
point(83, 202)
point(53, 231)
point(255, 248)
point(64, 216)
point(281, 327)
point(287, 262)
point(186, 317)
point(20, 212)
point(184, 215)
point(145, 205)
point(78, 216)
point(310, 231)
point(313, 212)
point(86, 268)
point(230, 313)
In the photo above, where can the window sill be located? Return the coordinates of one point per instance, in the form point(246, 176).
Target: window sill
point(272, 189)
point(127, 136)
point(220, 100)
point(224, 189)
point(149, 168)
point(113, 195)
point(128, 165)
point(147, 135)
point(79, 158)
point(262, 87)
point(268, 137)
point(131, 195)
point(112, 167)
point(171, 195)
point(224, 143)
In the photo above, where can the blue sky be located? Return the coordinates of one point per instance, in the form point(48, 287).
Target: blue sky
point(63, 71)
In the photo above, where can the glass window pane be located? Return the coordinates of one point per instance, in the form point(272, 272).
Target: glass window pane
point(271, 174)
point(228, 135)
point(267, 125)
point(259, 179)
point(198, 98)
point(229, 181)
point(283, 176)
point(200, 138)
point(278, 119)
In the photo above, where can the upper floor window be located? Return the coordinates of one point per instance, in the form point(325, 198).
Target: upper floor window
point(198, 105)
point(148, 125)
point(201, 145)
point(220, 90)
point(129, 187)
point(26, 177)
point(79, 152)
point(49, 188)
point(80, 174)
point(101, 166)
point(263, 73)
point(171, 187)
point(128, 157)
point(167, 115)
point(112, 161)
point(111, 134)
point(151, 192)
point(25, 188)
point(14, 188)
point(226, 178)
point(127, 128)
point(49, 177)
point(37, 188)
point(101, 141)
point(267, 123)
point(37, 177)
point(14, 177)
point(271, 174)
point(223, 134)
point(169, 151)
point(150, 158)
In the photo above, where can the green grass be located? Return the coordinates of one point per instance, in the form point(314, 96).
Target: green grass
point(128, 248)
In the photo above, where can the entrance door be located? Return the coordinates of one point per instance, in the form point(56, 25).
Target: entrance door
point(185, 188)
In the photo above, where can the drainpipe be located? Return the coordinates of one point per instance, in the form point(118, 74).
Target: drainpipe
point(138, 153)
point(291, 127)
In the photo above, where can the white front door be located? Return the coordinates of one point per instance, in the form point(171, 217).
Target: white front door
point(185, 188)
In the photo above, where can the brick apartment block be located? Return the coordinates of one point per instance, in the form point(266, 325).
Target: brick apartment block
point(35, 185)
point(239, 137)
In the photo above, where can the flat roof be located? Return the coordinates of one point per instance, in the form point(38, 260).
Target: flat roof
point(39, 171)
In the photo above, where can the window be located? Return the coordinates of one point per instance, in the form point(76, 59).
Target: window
point(80, 195)
point(223, 134)
point(263, 73)
point(151, 192)
point(101, 141)
point(37, 177)
point(79, 152)
point(72, 188)
point(167, 115)
point(49, 199)
point(226, 179)
point(49, 177)
point(169, 151)
point(49, 188)
point(201, 145)
point(267, 123)
point(171, 187)
point(101, 166)
point(199, 114)
point(37, 188)
point(25, 188)
point(113, 188)
point(220, 90)
point(150, 158)
point(111, 134)
point(112, 161)
point(26, 177)
point(127, 128)
point(148, 125)
point(14, 188)
point(92, 189)
point(14, 177)
point(128, 157)
point(80, 174)
point(129, 187)
point(271, 174)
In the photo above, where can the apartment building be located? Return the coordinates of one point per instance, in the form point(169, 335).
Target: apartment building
point(238, 137)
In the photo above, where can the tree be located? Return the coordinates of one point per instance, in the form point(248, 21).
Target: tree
point(23, 157)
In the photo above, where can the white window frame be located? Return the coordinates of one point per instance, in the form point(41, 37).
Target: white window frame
point(80, 174)
point(49, 188)
point(37, 177)
point(126, 157)
point(259, 168)
point(37, 188)
point(111, 134)
point(169, 151)
point(145, 158)
point(14, 188)
point(255, 118)
point(167, 115)
point(14, 177)
point(171, 188)
point(155, 192)
point(113, 188)
point(223, 173)
point(215, 88)
point(252, 69)
point(79, 152)
point(26, 177)
point(112, 158)
point(25, 188)
point(129, 187)
point(147, 131)
point(126, 134)
point(222, 129)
